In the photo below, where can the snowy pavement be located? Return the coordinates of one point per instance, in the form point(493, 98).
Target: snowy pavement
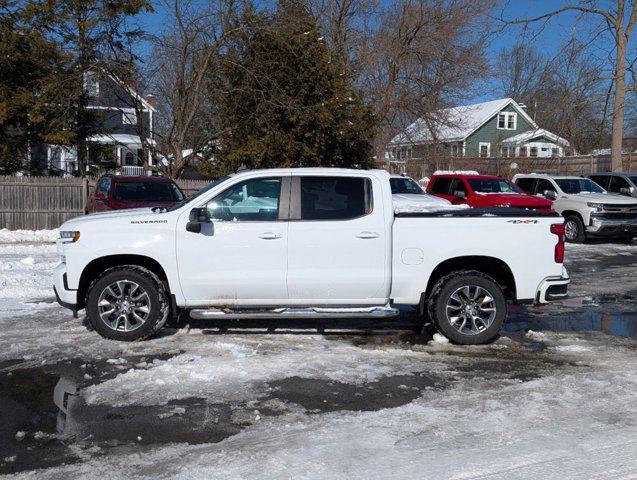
point(207, 400)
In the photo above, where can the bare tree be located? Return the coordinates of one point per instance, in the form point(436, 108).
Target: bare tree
point(560, 92)
point(620, 22)
point(186, 57)
point(420, 56)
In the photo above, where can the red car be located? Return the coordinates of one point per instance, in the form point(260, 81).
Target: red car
point(114, 192)
point(484, 191)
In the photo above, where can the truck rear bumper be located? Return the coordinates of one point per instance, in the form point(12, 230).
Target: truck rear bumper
point(553, 288)
point(65, 296)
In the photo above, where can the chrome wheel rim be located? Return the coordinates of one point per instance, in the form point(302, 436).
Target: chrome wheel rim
point(124, 306)
point(471, 309)
point(570, 230)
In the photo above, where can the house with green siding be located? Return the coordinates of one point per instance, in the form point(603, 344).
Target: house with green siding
point(498, 128)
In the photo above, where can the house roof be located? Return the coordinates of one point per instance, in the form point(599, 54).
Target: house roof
point(456, 123)
point(118, 138)
point(531, 134)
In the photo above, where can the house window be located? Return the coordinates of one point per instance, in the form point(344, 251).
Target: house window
point(454, 150)
point(555, 152)
point(129, 117)
point(507, 120)
point(533, 151)
point(91, 84)
point(524, 152)
point(484, 149)
point(505, 151)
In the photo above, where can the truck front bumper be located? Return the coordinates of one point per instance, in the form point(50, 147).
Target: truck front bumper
point(65, 296)
point(553, 288)
point(603, 225)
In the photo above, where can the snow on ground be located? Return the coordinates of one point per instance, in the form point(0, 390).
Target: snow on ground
point(579, 424)
point(534, 405)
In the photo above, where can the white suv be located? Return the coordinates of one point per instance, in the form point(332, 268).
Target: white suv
point(588, 208)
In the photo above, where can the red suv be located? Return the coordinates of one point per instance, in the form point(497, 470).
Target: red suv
point(484, 191)
point(114, 192)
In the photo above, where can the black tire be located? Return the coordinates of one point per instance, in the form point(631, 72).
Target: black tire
point(156, 300)
point(485, 329)
point(575, 232)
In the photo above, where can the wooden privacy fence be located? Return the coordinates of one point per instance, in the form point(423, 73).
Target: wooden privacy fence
point(36, 203)
point(507, 167)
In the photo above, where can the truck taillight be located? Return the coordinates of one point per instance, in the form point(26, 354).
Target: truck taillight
point(558, 229)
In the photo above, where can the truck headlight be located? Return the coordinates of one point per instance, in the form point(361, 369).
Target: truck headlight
point(69, 236)
point(597, 206)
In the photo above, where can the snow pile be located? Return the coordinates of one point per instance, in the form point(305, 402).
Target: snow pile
point(25, 270)
point(422, 207)
point(230, 369)
point(33, 236)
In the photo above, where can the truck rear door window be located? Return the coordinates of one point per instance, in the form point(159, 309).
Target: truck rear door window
point(147, 192)
point(335, 198)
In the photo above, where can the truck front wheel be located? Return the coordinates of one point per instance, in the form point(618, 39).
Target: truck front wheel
point(468, 307)
point(574, 229)
point(127, 303)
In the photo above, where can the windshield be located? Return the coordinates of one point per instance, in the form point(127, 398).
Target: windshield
point(147, 192)
point(405, 185)
point(492, 185)
point(578, 185)
point(633, 179)
point(199, 193)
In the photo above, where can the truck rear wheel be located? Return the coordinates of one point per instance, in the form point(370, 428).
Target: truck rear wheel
point(468, 307)
point(127, 303)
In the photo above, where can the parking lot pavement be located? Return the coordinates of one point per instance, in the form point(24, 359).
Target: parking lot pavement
point(555, 396)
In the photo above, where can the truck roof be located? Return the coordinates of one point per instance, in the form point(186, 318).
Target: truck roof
point(546, 175)
point(466, 175)
point(138, 178)
point(313, 170)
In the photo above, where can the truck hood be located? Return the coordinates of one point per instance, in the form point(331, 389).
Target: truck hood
point(601, 198)
point(518, 200)
point(132, 213)
point(402, 199)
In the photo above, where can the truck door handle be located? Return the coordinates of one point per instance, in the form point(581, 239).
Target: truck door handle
point(366, 235)
point(269, 235)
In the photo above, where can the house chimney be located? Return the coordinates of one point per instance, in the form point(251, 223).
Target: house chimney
point(151, 100)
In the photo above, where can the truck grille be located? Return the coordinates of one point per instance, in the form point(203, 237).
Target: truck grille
point(619, 208)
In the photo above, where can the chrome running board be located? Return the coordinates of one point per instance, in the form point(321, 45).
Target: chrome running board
point(291, 312)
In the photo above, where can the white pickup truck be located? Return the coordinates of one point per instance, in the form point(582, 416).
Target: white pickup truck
point(307, 243)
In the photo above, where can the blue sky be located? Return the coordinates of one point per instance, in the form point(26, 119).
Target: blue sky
point(548, 40)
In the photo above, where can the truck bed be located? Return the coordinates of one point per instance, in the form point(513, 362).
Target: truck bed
point(509, 212)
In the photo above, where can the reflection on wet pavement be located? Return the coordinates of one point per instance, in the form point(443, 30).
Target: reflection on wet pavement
point(621, 324)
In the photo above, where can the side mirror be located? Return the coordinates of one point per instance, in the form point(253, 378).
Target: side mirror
point(198, 216)
point(459, 194)
point(627, 191)
point(100, 197)
point(550, 195)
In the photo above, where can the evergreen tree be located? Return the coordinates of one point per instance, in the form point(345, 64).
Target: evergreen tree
point(287, 104)
point(93, 36)
point(28, 109)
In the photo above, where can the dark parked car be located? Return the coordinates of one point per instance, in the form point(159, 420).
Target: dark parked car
point(114, 192)
point(621, 183)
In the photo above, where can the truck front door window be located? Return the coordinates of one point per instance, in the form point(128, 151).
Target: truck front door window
point(252, 200)
point(542, 186)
